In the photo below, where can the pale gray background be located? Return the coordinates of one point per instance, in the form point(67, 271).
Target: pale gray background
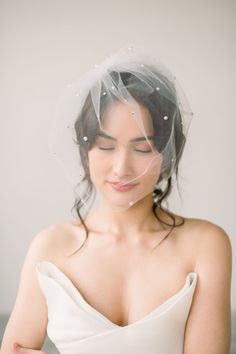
point(45, 44)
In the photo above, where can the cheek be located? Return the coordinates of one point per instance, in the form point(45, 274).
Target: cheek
point(97, 166)
point(152, 167)
point(150, 179)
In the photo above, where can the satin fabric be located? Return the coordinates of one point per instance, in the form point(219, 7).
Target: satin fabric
point(75, 327)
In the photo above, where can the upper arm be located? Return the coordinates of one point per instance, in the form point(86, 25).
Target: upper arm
point(28, 320)
point(208, 329)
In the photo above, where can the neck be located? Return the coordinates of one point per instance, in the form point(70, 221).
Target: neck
point(130, 223)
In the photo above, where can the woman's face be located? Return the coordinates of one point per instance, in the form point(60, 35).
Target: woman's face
point(124, 166)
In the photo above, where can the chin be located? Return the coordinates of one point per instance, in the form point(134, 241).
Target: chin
point(122, 201)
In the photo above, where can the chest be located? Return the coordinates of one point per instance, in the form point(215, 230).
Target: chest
point(125, 285)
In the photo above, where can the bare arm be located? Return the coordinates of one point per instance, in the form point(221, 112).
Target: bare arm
point(28, 321)
point(208, 328)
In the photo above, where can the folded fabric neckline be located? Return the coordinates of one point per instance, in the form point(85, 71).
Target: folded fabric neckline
point(189, 283)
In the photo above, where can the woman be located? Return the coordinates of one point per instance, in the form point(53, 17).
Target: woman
point(130, 277)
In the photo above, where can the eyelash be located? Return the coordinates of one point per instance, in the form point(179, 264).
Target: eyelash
point(142, 151)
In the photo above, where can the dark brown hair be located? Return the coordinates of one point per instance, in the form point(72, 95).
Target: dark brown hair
point(158, 106)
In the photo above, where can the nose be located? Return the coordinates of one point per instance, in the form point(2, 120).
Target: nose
point(122, 166)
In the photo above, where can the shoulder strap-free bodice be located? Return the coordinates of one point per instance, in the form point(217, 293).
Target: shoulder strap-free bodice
point(76, 327)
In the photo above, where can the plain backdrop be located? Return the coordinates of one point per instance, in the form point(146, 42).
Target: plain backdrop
point(46, 44)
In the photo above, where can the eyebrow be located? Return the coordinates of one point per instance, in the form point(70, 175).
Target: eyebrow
point(139, 138)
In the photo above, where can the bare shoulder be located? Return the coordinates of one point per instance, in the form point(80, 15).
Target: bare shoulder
point(210, 310)
point(209, 243)
point(56, 240)
point(203, 232)
point(198, 231)
point(51, 243)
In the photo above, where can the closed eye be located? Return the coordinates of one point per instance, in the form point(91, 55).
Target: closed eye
point(144, 151)
point(101, 148)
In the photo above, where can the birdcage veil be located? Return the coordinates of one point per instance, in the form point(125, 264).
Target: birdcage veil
point(88, 110)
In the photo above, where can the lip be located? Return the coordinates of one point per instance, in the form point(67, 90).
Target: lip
point(121, 187)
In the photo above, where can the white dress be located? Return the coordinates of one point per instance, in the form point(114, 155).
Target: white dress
point(75, 327)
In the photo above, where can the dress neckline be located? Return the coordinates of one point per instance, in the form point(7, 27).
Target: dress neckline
point(51, 271)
